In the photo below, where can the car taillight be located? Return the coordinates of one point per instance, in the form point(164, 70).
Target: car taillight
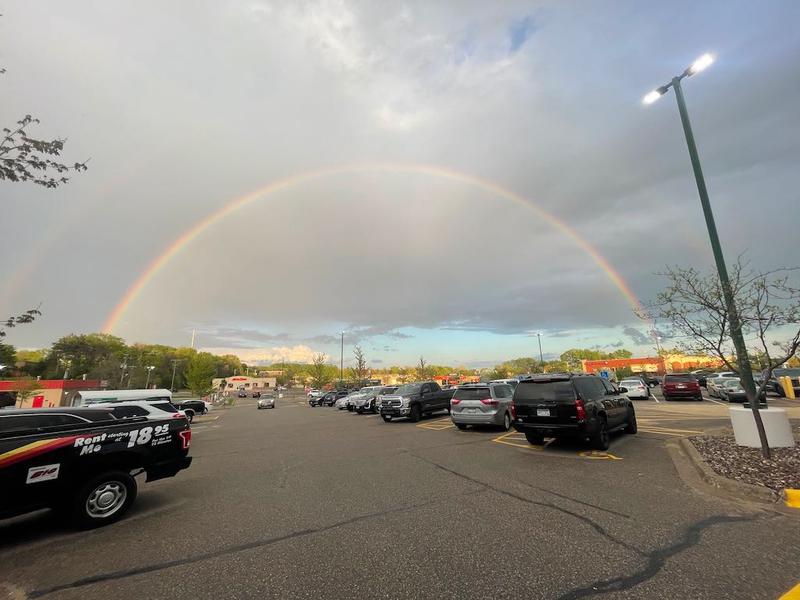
point(490, 402)
point(455, 401)
point(580, 410)
point(186, 438)
point(513, 411)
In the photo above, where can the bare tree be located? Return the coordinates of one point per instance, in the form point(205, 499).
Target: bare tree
point(769, 306)
point(359, 371)
point(422, 369)
point(319, 375)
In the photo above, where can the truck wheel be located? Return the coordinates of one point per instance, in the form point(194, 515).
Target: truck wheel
point(103, 500)
point(631, 427)
point(601, 439)
point(386, 418)
point(537, 439)
point(416, 413)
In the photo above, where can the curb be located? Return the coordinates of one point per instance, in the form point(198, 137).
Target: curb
point(699, 476)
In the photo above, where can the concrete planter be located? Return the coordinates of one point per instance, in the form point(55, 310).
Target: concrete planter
point(776, 424)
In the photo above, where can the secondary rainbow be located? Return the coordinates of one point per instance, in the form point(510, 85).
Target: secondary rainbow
point(435, 171)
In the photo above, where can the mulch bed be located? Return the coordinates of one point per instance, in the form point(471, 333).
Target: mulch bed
point(746, 464)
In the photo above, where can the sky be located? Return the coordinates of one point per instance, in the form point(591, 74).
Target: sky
point(453, 175)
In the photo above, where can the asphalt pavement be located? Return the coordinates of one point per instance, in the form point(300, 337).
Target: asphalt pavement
point(301, 502)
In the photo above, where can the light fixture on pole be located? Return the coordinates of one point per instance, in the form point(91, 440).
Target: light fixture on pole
point(149, 370)
point(745, 370)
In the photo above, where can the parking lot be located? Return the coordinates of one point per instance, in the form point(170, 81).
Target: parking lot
point(302, 502)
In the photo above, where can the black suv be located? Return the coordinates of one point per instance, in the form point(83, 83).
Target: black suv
point(577, 406)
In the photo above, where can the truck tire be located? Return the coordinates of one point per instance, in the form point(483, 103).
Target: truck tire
point(416, 413)
point(103, 499)
point(537, 439)
point(601, 439)
point(386, 418)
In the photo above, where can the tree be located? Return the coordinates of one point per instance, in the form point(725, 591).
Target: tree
point(422, 369)
point(96, 355)
point(25, 388)
point(319, 373)
point(694, 306)
point(27, 317)
point(359, 371)
point(201, 370)
point(8, 356)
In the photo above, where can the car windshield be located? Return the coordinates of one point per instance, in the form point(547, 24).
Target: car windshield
point(630, 382)
point(732, 383)
point(408, 388)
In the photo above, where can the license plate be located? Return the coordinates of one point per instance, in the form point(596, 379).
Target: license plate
point(680, 385)
point(542, 412)
point(472, 410)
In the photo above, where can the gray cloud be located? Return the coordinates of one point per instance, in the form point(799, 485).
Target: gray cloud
point(528, 95)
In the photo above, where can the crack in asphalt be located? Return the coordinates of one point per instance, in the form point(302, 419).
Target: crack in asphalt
point(122, 574)
point(655, 559)
point(590, 522)
point(576, 501)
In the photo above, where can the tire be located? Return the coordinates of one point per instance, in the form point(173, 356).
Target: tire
point(537, 439)
point(601, 439)
point(461, 426)
point(631, 427)
point(386, 418)
point(189, 415)
point(506, 422)
point(416, 413)
point(103, 499)
point(700, 398)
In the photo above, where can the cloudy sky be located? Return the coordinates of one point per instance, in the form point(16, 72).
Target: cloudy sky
point(419, 115)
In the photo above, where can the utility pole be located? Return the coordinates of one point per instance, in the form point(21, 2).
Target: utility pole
point(341, 363)
point(149, 370)
point(175, 362)
point(123, 366)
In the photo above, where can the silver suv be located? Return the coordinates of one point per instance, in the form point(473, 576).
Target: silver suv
point(482, 404)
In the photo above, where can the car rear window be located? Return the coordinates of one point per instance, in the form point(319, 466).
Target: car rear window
point(472, 393)
point(554, 391)
point(680, 377)
point(165, 406)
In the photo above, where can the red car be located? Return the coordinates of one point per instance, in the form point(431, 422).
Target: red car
point(681, 385)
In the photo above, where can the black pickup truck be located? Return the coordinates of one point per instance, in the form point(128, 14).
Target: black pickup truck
point(81, 461)
point(413, 400)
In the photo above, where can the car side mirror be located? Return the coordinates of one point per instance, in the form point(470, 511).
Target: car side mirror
point(623, 390)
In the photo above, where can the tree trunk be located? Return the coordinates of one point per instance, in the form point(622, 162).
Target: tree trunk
point(762, 433)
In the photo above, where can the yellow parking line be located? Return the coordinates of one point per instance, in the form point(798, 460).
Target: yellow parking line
point(518, 442)
point(597, 455)
point(792, 594)
point(671, 429)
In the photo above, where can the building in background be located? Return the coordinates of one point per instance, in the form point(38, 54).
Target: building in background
point(657, 365)
point(43, 393)
point(242, 382)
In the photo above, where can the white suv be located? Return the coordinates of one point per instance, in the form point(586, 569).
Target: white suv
point(142, 408)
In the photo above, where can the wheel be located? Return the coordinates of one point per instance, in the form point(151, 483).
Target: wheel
point(700, 398)
point(103, 499)
point(189, 415)
point(416, 413)
point(537, 439)
point(506, 422)
point(205, 410)
point(386, 418)
point(461, 426)
point(600, 439)
point(631, 427)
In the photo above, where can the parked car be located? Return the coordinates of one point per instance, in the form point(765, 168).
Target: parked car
point(79, 460)
point(584, 407)
point(732, 391)
point(681, 385)
point(636, 386)
point(715, 380)
point(158, 403)
point(330, 398)
point(266, 400)
point(191, 407)
point(702, 376)
point(242, 394)
point(512, 382)
point(370, 401)
point(413, 400)
point(487, 404)
point(774, 385)
point(141, 408)
point(345, 402)
point(256, 394)
point(318, 401)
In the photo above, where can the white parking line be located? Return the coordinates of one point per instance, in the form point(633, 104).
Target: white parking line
point(710, 399)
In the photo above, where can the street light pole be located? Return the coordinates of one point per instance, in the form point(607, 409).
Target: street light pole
point(175, 362)
point(541, 356)
point(743, 359)
point(341, 363)
point(149, 370)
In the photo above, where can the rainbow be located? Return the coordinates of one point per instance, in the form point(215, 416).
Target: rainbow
point(435, 171)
